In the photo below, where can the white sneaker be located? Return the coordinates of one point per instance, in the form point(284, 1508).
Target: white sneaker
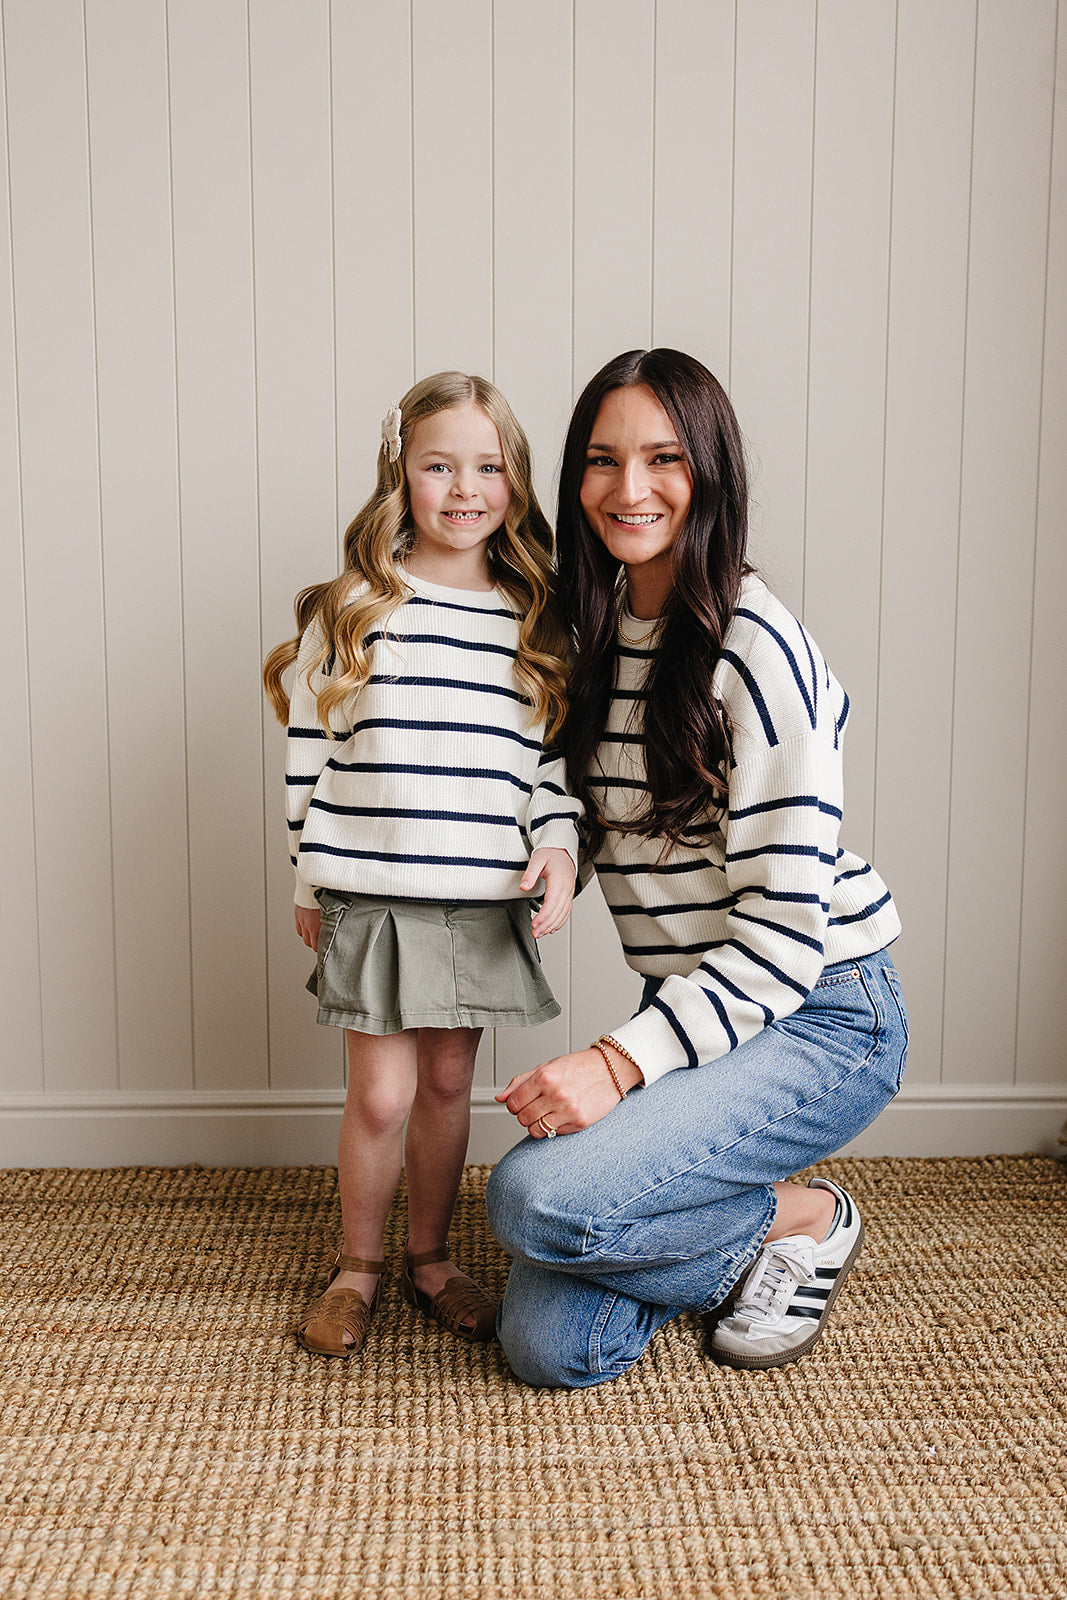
point(784, 1303)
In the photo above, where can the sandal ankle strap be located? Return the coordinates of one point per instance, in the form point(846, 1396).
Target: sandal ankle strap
point(357, 1264)
point(428, 1257)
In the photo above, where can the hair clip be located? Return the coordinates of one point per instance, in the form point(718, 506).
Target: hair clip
point(391, 432)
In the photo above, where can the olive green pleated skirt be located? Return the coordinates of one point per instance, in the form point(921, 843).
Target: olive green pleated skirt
point(387, 965)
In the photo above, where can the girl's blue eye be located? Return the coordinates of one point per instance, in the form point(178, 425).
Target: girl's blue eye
point(437, 466)
point(489, 467)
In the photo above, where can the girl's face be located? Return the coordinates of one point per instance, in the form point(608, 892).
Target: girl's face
point(457, 485)
point(637, 485)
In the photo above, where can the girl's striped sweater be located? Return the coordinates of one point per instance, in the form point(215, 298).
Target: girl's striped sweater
point(739, 928)
point(435, 785)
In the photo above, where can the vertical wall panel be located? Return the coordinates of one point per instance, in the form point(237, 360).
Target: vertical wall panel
point(693, 194)
point(130, 171)
point(1040, 1056)
point(846, 382)
point(532, 77)
point(924, 399)
point(295, 411)
point(208, 43)
point(614, 118)
point(61, 519)
point(532, 237)
point(373, 268)
point(772, 247)
point(453, 129)
point(23, 1067)
point(1005, 317)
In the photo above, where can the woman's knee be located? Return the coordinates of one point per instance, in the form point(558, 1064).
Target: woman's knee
point(559, 1332)
point(520, 1211)
point(544, 1334)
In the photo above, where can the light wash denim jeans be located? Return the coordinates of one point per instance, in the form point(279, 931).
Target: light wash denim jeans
point(657, 1208)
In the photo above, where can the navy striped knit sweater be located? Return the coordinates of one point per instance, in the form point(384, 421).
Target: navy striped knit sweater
point(436, 785)
point(741, 927)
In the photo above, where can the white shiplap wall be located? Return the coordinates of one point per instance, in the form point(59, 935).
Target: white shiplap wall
point(231, 231)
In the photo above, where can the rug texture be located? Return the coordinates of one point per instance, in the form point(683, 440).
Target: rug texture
point(162, 1435)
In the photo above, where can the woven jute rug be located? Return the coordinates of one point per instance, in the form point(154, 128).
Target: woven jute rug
point(164, 1436)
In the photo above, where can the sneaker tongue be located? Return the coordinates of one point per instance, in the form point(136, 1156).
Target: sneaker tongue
point(780, 1267)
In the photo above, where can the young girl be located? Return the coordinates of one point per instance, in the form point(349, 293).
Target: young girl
point(426, 810)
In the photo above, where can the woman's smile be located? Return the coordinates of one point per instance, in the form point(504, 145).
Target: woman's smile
point(636, 490)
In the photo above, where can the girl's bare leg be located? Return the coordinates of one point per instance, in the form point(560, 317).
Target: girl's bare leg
point(382, 1078)
point(436, 1146)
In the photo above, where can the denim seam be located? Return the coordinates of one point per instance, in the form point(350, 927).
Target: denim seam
point(596, 1331)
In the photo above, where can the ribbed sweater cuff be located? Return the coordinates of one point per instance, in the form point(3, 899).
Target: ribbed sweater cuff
point(305, 895)
point(653, 1043)
point(558, 836)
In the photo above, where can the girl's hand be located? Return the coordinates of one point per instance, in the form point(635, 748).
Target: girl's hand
point(308, 923)
point(570, 1093)
point(557, 869)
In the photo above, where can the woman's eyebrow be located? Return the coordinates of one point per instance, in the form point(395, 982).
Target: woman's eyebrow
point(610, 449)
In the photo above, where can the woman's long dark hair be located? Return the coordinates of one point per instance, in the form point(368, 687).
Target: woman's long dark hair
point(686, 730)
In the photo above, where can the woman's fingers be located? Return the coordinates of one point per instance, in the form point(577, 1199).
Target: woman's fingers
point(513, 1088)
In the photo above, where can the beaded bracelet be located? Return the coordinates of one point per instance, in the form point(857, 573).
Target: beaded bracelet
point(598, 1045)
point(615, 1045)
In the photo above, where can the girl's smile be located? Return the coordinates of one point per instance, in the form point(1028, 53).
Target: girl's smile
point(459, 495)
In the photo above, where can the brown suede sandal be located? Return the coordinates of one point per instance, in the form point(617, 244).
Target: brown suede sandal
point(324, 1324)
point(457, 1300)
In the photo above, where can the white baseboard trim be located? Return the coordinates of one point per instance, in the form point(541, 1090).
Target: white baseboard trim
point(162, 1128)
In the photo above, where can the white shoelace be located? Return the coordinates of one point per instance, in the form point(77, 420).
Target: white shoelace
point(769, 1287)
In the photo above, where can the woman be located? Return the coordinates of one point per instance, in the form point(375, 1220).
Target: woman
point(704, 737)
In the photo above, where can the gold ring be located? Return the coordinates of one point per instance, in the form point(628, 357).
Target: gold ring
point(550, 1133)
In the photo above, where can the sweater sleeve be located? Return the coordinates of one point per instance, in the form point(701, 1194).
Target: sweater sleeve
point(307, 752)
point(553, 813)
point(781, 828)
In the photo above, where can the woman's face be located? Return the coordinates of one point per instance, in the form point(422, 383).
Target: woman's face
point(637, 485)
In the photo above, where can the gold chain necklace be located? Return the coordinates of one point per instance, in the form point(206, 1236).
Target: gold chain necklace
point(644, 637)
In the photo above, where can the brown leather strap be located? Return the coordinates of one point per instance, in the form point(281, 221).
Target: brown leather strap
point(355, 1264)
point(428, 1257)
point(465, 1308)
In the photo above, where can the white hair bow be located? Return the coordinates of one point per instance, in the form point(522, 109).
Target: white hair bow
point(391, 432)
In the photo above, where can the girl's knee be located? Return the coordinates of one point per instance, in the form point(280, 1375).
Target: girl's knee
point(446, 1062)
point(380, 1107)
point(445, 1081)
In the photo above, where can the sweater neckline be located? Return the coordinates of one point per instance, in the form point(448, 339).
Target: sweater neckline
point(484, 597)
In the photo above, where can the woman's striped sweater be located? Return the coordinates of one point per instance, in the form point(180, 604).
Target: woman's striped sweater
point(741, 927)
point(435, 785)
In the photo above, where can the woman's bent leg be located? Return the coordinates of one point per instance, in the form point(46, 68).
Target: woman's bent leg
point(668, 1198)
point(559, 1331)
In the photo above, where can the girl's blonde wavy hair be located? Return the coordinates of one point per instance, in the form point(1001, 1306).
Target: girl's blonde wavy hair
point(519, 556)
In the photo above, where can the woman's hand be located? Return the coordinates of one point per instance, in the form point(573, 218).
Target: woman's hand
point(557, 868)
point(308, 923)
point(569, 1093)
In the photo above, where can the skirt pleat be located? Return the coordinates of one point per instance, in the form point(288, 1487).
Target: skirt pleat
point(387, 965)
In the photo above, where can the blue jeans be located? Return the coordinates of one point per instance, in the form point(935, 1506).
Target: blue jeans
point(657, 1208)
